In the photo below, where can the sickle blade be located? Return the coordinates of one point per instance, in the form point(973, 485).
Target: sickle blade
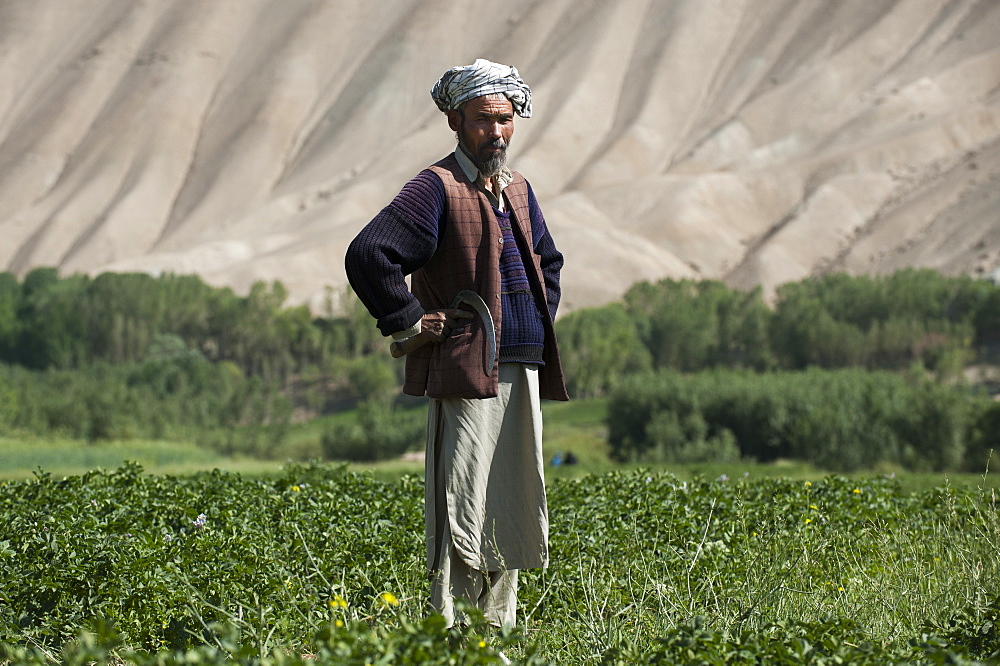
point(474, 300)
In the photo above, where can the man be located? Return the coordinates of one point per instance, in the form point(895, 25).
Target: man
point(469, 225)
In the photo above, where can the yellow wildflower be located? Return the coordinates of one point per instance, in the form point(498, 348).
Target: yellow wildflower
point(482, 644)
point(296, 488)
point(389, 599)
point(857, 491)
point(338, 602)
point(339, 624)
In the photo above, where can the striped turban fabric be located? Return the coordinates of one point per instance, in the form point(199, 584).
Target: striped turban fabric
point(460, 84)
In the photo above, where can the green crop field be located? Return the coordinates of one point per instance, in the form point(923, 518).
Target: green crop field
point(319, 564)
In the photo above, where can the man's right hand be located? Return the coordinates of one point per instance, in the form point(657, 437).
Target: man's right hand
point(435, 326)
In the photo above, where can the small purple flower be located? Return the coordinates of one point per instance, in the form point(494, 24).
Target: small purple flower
point(94, 502)
point(200, 521)
point(723, 478)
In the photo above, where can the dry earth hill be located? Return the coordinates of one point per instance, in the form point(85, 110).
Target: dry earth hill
point(752, 141)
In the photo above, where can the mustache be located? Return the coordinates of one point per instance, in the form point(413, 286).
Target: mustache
point(495, 143)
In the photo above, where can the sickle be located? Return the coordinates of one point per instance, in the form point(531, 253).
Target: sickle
point(475, 301)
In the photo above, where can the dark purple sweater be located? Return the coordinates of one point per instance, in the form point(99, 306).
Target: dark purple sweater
point(403, 236)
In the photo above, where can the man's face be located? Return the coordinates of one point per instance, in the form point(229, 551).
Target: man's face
point(484, 127)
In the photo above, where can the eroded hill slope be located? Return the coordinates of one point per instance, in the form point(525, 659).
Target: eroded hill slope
point(751, 141)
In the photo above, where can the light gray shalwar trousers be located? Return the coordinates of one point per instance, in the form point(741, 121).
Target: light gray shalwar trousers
point(486, 514)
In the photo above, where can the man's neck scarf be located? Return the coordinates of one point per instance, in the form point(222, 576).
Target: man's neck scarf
point(460, 84)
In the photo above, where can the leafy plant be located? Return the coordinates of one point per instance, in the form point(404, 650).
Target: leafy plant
point(324, 565)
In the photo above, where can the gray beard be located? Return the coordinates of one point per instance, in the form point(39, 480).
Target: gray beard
point(489, 167)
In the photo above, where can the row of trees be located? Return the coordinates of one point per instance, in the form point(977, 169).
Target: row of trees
point(886, 322)
point(131, 355)
point(878, 323)
point(77, 321)
point(837, 419)
point(174, 394)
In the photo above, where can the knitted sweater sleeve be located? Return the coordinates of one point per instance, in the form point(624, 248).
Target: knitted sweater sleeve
point(398, 241)
point(545, 247)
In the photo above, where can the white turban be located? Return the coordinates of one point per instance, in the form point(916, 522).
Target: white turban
point(460, 84)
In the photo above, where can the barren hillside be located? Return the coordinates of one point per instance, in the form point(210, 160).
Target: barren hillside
point(753, 141)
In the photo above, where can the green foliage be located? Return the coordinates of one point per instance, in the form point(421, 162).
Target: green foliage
point(977, 628)
point(326, 566)
point(984, 439)
point(78, 321)
point(267, 352)
point(835, 321)
point(131, 355)
point(692, 325)
point(733, 552)
point(173, 570)
point(381, 432)
point(687, 440)
point(599, 346)
point(840, 420)
point(373, 377)
point(399, 641)
point(885, 322)
point(826, 641)
point(52, 332)
point(10, 303)
point(175, 394)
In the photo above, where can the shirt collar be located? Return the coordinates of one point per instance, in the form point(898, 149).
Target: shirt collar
point(504, 178)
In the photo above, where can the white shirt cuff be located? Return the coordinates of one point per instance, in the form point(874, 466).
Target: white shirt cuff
point(408, 332)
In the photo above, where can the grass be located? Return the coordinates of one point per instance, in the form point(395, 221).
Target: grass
point(19, 458)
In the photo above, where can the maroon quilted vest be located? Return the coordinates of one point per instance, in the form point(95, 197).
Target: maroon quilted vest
point(468, 257)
